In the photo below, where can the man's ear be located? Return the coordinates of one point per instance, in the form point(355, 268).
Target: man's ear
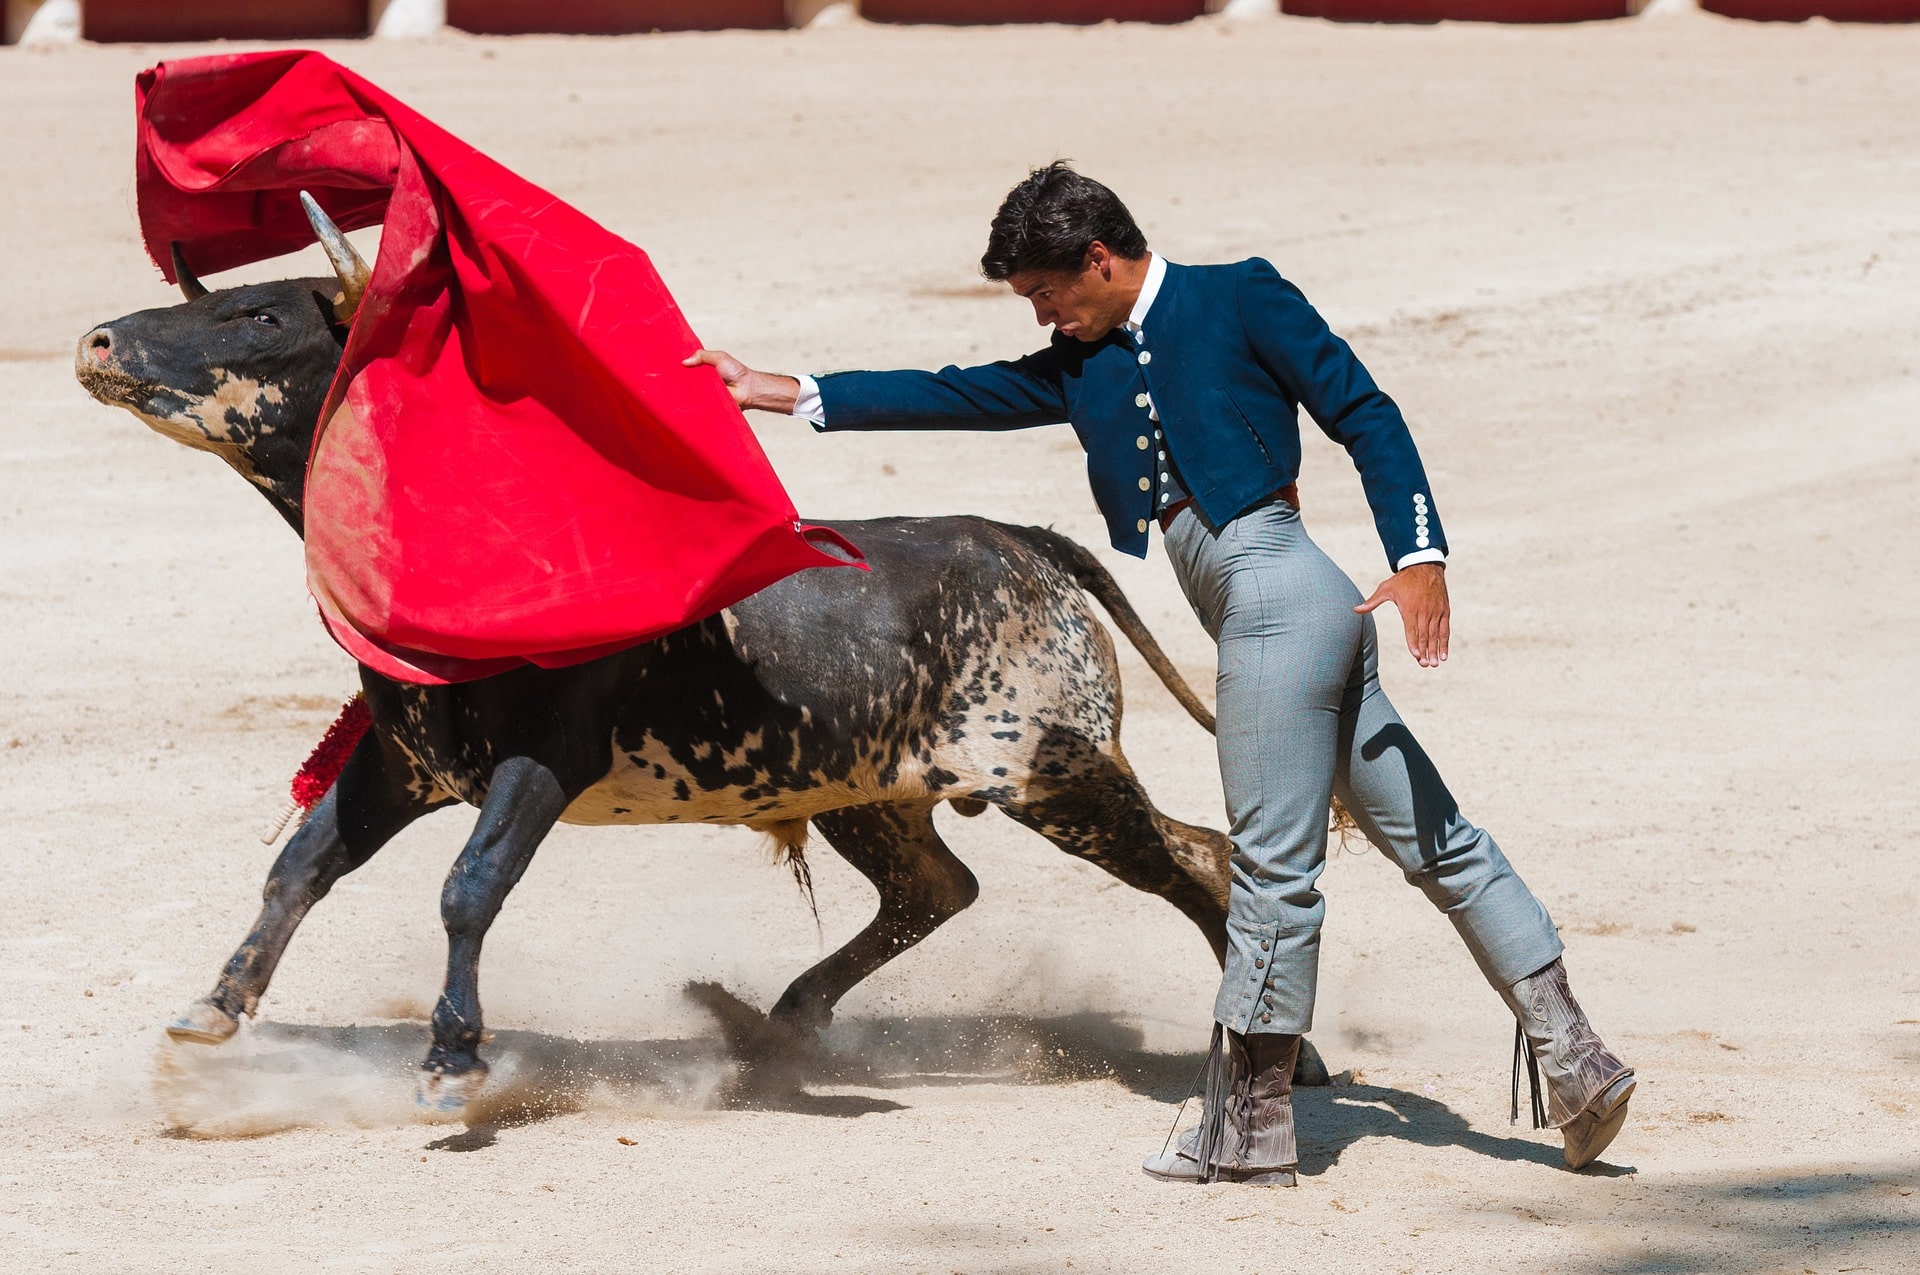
point(1098, 258)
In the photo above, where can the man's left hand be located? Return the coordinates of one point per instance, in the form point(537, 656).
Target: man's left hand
point(1420, 591)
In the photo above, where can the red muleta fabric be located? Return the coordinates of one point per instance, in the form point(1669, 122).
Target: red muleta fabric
point(512, 465)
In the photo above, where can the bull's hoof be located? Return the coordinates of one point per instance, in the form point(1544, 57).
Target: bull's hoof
point(777, 1057)
point(444, 1095)
point(803, 1021)
point(204, 1023)
point(752, 1036)
point(1310, 1069)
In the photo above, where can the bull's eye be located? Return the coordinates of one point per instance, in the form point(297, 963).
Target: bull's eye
point(264, 317)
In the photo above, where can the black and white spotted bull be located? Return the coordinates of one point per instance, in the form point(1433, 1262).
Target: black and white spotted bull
point(966, 668)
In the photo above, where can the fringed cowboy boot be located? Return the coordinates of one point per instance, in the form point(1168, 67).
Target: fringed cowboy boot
point(1587, 1087)
point(1246, 1125)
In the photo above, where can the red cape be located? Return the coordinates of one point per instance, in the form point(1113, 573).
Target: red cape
point(512, 464)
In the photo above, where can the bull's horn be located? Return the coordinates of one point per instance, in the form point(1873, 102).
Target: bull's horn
point(189, 281)
point(353, 271)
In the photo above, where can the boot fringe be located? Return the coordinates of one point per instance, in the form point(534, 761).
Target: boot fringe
point(1213, 1106)
point(1520, 1051)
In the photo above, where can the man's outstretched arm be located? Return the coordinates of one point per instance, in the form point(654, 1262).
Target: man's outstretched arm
point(1014, 394)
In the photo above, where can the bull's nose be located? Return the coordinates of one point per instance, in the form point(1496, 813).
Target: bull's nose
point(97, 345)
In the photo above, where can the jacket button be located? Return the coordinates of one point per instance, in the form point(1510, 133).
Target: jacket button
point(1141, 442)
point(1145, 485)
point(1141, 526)
point(1266, 1018)
point(1139, 400)
point(1263, 945)
point(1146, 356)
point(1259, 965)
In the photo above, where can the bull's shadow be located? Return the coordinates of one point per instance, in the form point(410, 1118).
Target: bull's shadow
point(276, 1076)
point(280, 1075)
point(941, 1049)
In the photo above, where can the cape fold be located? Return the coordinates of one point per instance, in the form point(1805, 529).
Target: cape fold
point(512, 465)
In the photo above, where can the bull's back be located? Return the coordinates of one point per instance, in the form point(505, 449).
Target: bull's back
point(931, 673)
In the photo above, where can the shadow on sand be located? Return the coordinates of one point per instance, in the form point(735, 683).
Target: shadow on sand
point(1331, 1120)
point(281, 1075)
point(277, 1076)
point(1865, 1217)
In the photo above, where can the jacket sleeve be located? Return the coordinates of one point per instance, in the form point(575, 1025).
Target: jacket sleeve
point(1295, 346)
point(1006, 395)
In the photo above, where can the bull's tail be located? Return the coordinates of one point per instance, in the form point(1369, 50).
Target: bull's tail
point(1087, 572)
point(1094, 578)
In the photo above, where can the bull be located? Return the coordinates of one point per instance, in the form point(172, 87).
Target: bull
point(966, 668)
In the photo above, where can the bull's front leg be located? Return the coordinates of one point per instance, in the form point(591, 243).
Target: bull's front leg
point(524, 800)
point(364, 810)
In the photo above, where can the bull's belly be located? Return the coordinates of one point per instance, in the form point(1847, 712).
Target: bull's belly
point(639, 791)
point(624, 798)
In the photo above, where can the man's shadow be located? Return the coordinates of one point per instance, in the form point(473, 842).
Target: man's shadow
point(1328, 1121)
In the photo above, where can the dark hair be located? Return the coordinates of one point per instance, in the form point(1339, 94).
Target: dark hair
point(1049, 221)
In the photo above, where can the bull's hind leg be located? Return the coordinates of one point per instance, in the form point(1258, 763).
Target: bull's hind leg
point(364, 810)
point(921, 884)
point(1090, 804)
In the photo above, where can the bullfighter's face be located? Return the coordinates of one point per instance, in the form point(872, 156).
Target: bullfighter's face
point(1084, 304)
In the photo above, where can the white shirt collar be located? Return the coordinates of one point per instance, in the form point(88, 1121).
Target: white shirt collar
point(1149, 289)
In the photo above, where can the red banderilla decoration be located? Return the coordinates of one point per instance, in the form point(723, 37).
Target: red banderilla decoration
point(324, 764)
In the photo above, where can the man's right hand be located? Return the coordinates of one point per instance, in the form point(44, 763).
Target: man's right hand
point(761, 391)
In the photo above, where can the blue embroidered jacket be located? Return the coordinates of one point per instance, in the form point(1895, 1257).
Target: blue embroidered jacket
point(1228, 354)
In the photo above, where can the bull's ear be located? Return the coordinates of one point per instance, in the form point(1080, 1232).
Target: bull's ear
point(347, 264)
point(328, 305)
point(189, 282)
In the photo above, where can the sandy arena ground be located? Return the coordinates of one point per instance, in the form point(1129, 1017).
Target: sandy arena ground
point(1650, 293)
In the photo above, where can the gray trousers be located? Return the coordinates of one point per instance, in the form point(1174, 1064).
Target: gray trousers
point(1302, 718)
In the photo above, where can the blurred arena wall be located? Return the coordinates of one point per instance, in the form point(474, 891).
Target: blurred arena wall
point(158, 21)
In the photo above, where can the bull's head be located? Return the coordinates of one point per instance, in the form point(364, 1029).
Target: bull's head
point(242, 372)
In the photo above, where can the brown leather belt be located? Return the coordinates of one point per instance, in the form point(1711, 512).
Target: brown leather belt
point(1290, 493)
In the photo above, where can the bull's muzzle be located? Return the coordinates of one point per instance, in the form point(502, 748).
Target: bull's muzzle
point(96, 347)
point(98, 368)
